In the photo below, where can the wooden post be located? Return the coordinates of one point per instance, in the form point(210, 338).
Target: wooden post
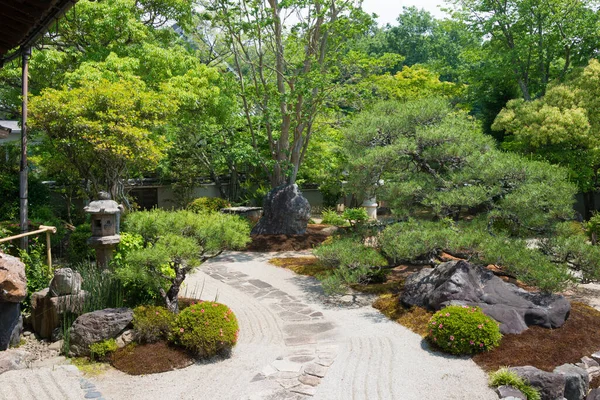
point(24, 170)
point(49, 251)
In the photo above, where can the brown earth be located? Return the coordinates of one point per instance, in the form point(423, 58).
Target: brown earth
point(313, 237)
point(546, 349)
point(150, 358)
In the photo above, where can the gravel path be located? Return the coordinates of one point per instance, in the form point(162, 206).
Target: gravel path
point(293, 345)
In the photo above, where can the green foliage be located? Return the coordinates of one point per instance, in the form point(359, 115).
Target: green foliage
point(413, 240)
point(331, 217)
point(175, 242)
point(104, 289)
point(561, 127)
point(208, 204)
point(109, 122)
point(151, 323)
point(463, 330)
point(504, 376)
point(78, 249)
point(138, 288)
point(352, 263)
point(355, 216)
point(37, 272)
point(101, 350)
point(206, 328)
point(592, 228)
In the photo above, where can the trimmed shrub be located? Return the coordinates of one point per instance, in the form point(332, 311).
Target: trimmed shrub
point(349, 252)
point(504, 376)
point(463, 330)
point(354, 263)
point(101, 350)
point(207, 204)
point(206, 328)
point(355, 215)
point(152, 324)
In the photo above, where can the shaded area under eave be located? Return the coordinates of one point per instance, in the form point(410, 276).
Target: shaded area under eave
point(22, 22)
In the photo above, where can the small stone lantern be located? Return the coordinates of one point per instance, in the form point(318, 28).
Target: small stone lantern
point(106, 215)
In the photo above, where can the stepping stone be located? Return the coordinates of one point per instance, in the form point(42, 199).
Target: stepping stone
point(268, 370)
point(305, 389)
point(299, 340)
point(289, 383)
point(309, 380)
point(302, 359)
point(286, 366)
point(259, 284)
point(326, 362)
point(315, 370)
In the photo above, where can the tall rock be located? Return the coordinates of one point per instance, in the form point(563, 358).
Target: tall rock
point(285, 212)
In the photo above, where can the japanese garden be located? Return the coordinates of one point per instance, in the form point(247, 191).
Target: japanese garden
point(246, 199)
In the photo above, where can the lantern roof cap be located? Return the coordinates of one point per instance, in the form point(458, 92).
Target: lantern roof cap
point(103, 207)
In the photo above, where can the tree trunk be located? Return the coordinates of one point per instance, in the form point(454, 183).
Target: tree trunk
point(589, 204)
point(171, 296)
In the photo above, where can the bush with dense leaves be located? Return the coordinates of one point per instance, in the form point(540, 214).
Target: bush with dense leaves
point(463, 330)
point(208, 204)
point(352, 263)
point(101, 350)
point(152, 324)
point(206, 328)
point(413, 240)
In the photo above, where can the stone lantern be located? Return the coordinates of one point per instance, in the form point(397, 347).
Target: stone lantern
point(106, 215)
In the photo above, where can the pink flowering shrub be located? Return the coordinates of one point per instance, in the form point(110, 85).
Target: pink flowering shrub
point(463, 330)
point(206, 328)
point(151, 323)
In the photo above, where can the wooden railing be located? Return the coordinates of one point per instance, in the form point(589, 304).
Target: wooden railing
point(41, 229)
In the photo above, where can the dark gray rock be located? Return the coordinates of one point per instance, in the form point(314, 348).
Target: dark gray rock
point(10, 320)
point(594, 394)
point(505, 391)
point(577, 381)
point(65, 281)
point(97, 326)
point(458, 282)
point(285, 212)
point(15, 336)
point(550, 385)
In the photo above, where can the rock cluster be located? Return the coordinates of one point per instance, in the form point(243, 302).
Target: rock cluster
point(63, 295)
point(459, 282)
point(13, 290)
point(97, 326)
point(567, 381)
point(285, 212)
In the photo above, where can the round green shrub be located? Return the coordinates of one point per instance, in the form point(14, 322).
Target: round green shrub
point(152, 323)
point(207, 204)
point(463, 330)
point(101, 350)
point(206, 328)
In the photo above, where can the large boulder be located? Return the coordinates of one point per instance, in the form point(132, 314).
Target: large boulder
point(13, 283)
point(577, 381)
point(10, 324)
point(551, 386)
point(65, 281)
point(459, 282)
point(46, 310)
point(97, 326)
point(285, 212)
